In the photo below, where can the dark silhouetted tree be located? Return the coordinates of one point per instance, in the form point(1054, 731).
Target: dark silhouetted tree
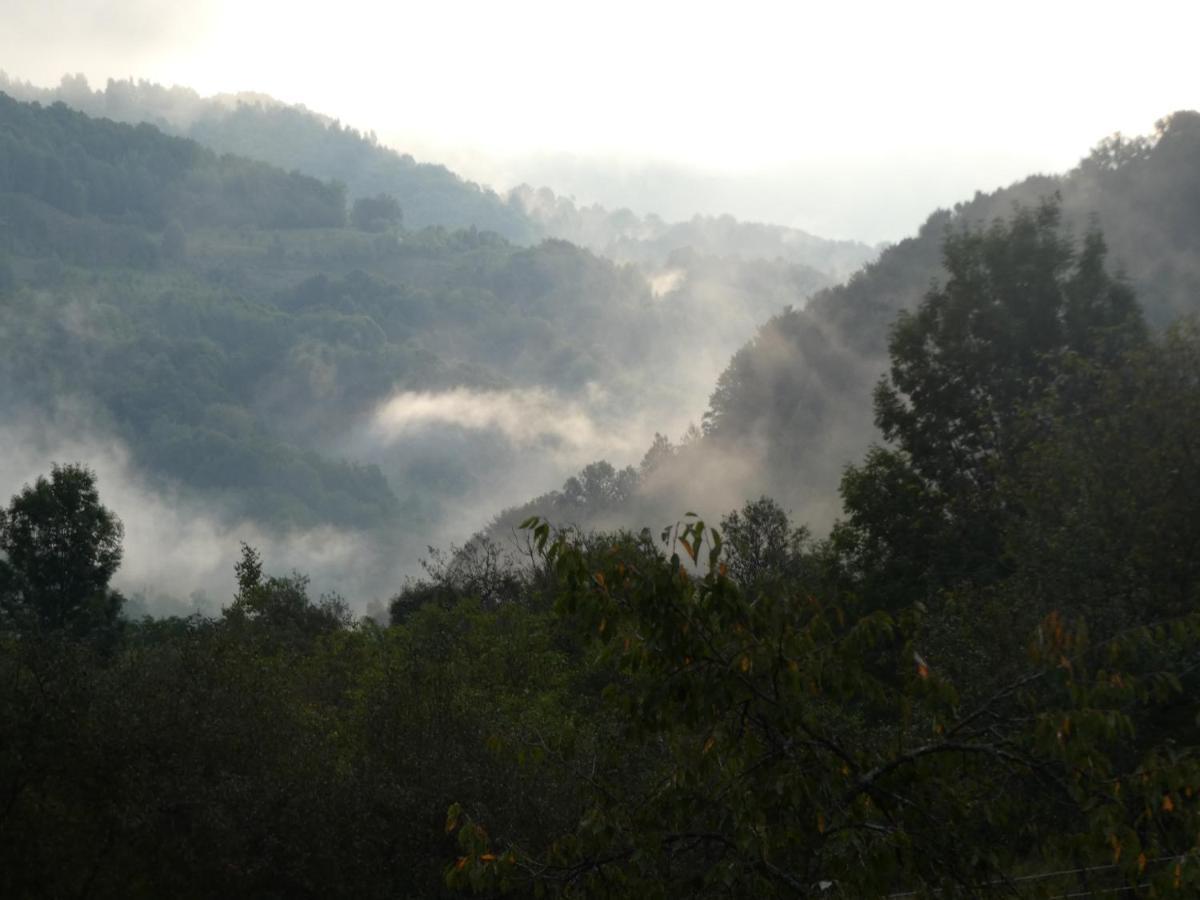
point(61, 548)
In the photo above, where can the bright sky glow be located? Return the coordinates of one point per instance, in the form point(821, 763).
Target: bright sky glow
point(726, 87)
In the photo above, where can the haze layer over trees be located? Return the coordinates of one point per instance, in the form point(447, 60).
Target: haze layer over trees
point(943, 640)
point(282, 356)
point(295, 138)
point(984, 679)
point(793, 406)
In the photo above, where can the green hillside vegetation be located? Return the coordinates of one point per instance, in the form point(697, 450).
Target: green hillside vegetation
point(294, 138)
point(224, 321)
point(983, 682)
point(1142, 193)
point(797, 397)
point(141, 177)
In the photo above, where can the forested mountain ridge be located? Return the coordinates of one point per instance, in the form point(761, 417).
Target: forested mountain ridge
point(227, 325)
point(293, 137)
point(139, 176)
point(185, 268)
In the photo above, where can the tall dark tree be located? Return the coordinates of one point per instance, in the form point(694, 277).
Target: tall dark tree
point(1021, 304)
point(983, 346)
point(61, 547)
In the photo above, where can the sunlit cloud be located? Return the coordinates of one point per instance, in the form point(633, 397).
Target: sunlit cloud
point(526, 417)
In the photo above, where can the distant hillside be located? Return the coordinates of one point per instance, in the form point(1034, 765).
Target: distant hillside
point(794, 405)
point(139, 176)
point(292, 137)
point(248, 350)
point(648, 240)
point(1143, 194)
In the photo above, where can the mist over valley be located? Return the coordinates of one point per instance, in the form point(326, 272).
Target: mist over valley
point(538, 453)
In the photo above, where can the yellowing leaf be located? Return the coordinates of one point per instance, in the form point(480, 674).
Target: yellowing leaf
point(1168, 805)
point(708, 745)
point(1141, 863)
point(922, 666)
point(745, 664)
point(820, 823)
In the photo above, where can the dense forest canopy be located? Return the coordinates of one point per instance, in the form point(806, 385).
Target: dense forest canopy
point(295, 138)
point(94, 167)
point(941, 641)
point(983, 680)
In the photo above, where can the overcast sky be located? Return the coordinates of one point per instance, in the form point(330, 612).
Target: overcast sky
point(784, 110)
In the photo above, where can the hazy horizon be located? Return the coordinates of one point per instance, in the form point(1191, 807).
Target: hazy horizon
point(850, 123)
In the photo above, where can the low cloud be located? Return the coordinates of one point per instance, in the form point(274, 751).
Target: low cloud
point(179, 550)
point(531, 417)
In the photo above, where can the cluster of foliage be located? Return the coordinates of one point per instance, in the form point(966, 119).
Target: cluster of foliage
point(376, 213)
point(983, 681)
point(281, 749)
point(60, 549)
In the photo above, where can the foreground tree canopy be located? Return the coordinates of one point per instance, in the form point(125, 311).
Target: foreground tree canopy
point(983, 681)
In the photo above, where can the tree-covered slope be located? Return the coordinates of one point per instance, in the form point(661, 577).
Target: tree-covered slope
point(793, 405)
point(650, 241)
point(808, 372)
point(220, 320)
point(140, 176)
point(294, 138)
